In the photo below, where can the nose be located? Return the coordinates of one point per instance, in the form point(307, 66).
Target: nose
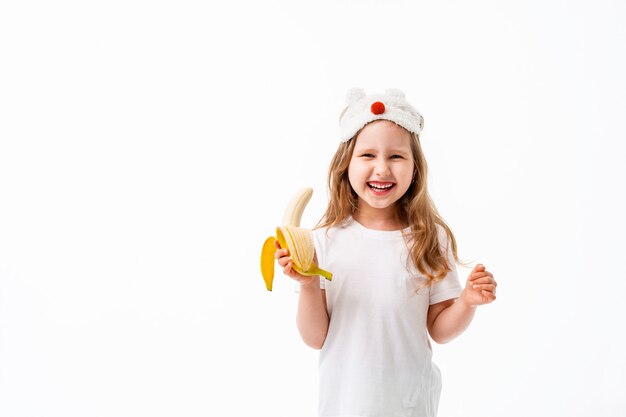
point(382, 168)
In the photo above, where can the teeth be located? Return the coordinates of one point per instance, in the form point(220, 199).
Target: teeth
point(380, 187)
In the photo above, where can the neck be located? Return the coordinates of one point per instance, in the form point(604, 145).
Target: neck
point(378, 219)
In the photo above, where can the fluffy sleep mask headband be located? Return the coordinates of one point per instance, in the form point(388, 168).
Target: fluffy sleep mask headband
point(362, 109)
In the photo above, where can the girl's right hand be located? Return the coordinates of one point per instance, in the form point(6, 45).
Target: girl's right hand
point(285, 262)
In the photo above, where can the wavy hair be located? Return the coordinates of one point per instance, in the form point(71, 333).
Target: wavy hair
point(415, 208)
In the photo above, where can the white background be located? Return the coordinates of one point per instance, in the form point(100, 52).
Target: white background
point(148, 148)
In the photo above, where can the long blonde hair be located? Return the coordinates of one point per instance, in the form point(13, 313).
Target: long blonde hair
point(414, 208)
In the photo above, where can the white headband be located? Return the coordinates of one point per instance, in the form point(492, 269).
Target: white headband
point(363, 109)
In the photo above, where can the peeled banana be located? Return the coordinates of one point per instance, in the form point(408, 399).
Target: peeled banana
point(298, 240)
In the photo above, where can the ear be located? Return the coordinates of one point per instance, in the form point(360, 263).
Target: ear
point(394, 92)
point(354, 94)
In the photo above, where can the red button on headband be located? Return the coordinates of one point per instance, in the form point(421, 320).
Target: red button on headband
point(378, 108)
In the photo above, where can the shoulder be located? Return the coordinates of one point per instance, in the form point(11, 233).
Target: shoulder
point(443, 238)
point(332, 230)
point(328, 237)
point(322, 237)
point(441, 233)
point(320, 233)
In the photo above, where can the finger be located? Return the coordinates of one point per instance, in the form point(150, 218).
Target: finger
point(488, 287)
point(283, 261)
point(477, 275)
point(280, 253)
point(478, 269)
point(484, 280)
point(491, 296)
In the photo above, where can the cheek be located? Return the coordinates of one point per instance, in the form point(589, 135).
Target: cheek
point(352, 176)
point(353, 171)
point(409, 172)
point(404, 175)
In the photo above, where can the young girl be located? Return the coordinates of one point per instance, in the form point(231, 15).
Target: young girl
point(393, 260)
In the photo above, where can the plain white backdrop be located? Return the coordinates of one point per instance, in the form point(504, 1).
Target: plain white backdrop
point(148, 148)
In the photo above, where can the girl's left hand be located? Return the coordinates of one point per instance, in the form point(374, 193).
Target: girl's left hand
point(480, 287)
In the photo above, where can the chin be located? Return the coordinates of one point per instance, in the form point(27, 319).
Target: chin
point(380, 204)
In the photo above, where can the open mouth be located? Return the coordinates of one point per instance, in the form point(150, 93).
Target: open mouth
point(380, 187)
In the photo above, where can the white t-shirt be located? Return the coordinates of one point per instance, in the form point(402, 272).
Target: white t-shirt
point(377, 359)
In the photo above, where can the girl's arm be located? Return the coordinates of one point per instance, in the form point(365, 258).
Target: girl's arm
point(450, 318)
point(312, 317)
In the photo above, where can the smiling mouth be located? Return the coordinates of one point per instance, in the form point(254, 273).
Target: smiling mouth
point(381, 186)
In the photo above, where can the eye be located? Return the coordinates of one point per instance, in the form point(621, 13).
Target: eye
point(396, 156)
point(367, 155)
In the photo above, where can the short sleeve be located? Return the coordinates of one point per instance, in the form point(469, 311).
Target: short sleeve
point(449, 287)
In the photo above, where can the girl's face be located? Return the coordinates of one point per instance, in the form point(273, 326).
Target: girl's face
point(381, 168)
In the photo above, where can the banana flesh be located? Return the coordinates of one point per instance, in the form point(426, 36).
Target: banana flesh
point(295, 208)
point(298, 240)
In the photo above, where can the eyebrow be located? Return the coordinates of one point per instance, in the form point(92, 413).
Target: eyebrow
point(392, 151)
